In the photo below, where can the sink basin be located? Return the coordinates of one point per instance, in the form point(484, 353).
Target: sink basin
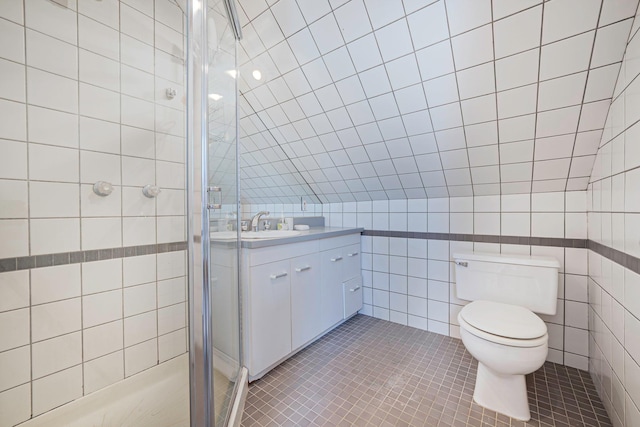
point(271, 234)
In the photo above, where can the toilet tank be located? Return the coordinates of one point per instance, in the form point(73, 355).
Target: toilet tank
point(524, 280)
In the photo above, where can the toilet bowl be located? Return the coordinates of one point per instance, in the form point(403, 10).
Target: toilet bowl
point(509, 342)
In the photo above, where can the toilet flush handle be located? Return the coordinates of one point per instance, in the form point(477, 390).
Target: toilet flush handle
point(462, 263)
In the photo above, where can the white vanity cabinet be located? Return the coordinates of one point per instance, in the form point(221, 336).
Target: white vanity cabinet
point(294, 293)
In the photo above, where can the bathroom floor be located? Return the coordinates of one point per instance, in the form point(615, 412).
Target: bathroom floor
point(373, 372)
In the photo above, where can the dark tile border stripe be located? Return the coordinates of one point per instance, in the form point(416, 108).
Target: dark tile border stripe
point(483, 238)
point(48, 260)
point(619, 257)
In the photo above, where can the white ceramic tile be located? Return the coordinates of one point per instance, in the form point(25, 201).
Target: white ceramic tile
point(526, 24)
point(435, 60)
point(13, 83)
point(14, 290)
point(13, 11)
point(52, 91)
point(57, 389)
point(170, 175)
point(560, 21)
point(349, 20)
point(172, 345)
point(171, 291)
point(100, 276)
point(102, 339)
point(98, 38)
point(394, 40)
point(139, 299)
point(473, 48)
point(136, 24)
point(46, 52)
point(52, 19)
point(99, 135)
point(99, 103)
point(137, 83)
point(547, 225)
point(13, 120)
point(476, 81)
point(54, 319)
point(56, 354)
point(101, 308)
point(136, 54)
point(382, 12)
point(19, 360)
point(140, 357)
point(56, 283)
point(15, 232)
point(14, 329)
point(515, 224)
point(288, 16)
point(171, 265)
point(517, 102)
point(137, 112)
point(140, 328)
point(561, 92)
point(464, 14)
point(14, 195)
point(54, 235)
point(103, 11)
point(48, 199)
point(428, 25)
point(101, 372)
point(137, 172)
point(517, 70)
point(16, 404)
point(566, 56)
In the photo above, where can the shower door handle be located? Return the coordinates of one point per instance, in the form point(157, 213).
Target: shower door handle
point(212, 191)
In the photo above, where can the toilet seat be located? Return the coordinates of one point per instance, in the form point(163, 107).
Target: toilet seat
point(504, 324)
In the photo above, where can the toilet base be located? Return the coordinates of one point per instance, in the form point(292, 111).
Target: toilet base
point(506, 394)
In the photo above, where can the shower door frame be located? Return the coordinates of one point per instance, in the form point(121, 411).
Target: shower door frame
point(200, 314)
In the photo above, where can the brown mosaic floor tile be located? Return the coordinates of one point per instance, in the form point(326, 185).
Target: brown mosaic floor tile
point(369, 372)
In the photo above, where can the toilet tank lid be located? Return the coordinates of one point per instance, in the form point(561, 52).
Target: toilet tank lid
point(505, 320)
point(533, 260)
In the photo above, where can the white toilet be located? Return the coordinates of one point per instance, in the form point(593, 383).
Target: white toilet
point(499, 328)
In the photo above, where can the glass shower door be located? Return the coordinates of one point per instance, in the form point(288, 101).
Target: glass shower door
point(222, 189)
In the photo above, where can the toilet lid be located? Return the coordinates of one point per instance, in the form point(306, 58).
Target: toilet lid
point(505, 320)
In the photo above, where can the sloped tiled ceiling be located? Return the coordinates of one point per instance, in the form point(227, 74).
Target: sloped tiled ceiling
point(392, 99)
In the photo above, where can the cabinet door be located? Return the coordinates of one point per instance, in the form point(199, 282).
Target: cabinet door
point(351, 267)
point(270, 300)
point(306, 296)
point(332, 304)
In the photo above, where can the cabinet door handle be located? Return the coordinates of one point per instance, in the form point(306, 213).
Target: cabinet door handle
point(353, 254)
point(279, 275)
point(354, 289)
point(299, 269)
point(338, 258)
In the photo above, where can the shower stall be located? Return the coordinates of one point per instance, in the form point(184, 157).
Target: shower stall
point(118, 158)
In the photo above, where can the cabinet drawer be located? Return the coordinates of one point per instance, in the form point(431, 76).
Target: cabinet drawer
point(352, 291)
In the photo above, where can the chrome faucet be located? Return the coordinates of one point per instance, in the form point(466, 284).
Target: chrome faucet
point(255, 221)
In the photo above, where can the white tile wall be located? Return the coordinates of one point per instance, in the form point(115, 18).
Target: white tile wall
point(412, 281)
point(82, 99)
point(612, 210)
point(368, 74)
